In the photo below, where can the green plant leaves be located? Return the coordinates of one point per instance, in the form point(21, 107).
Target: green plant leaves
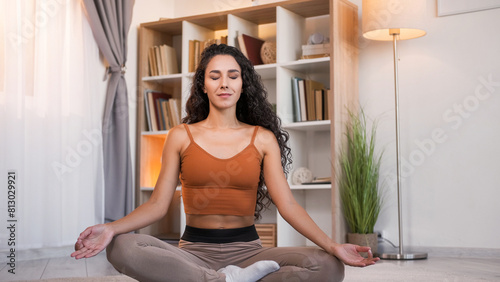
point(358, 176)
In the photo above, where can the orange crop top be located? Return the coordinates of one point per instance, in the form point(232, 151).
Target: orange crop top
point(211, 185)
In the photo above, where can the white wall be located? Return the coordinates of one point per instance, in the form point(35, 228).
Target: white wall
point(449, 134)
point(450, 130)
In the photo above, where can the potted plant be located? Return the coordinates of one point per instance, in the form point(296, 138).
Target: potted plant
point(358, 181)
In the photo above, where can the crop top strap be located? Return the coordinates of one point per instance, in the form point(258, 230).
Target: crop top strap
point(254, 134)
point(189, 132)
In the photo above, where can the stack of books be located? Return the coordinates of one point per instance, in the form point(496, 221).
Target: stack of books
point(162, 111)
point(162, 60)
point(196, 47)
point(310, 100)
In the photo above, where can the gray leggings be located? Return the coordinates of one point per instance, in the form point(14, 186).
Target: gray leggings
point(146, 258)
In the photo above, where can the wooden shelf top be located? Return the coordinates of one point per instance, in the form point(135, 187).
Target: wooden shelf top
point(150, 189)
point(261, 14)
point(156, 134)
point(311, 187)
point(315, 125)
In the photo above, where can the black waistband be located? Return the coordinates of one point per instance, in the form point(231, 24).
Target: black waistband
point(244, 234)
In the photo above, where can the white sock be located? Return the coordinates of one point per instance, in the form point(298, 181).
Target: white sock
point(250, 273)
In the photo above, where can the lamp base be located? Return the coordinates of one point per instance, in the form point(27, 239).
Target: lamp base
point(397, 256)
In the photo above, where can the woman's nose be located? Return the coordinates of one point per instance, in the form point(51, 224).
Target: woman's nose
point(223, 84)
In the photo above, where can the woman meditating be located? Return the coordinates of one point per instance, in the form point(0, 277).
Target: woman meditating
point(230, 145)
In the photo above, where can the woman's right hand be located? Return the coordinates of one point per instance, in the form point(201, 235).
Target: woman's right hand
point(349, 254)
point(92, 241)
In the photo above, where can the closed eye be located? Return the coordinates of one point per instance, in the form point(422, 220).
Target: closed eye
point(232, 73)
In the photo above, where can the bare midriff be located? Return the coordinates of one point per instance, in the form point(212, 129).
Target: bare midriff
point(213, 221)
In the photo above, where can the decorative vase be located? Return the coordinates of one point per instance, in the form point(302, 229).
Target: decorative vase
point(370, 240)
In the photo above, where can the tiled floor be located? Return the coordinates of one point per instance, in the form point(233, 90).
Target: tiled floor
point(433, 269)
point(443, 269)
point(58, 267)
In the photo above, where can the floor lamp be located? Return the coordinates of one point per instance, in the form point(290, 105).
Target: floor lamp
point(383, 20)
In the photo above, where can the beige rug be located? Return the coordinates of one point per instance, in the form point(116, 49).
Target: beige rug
point(116, 278)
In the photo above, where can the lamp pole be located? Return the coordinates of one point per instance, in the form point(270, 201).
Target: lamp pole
point(401, 255)
point(395, 35)
point(406, 24)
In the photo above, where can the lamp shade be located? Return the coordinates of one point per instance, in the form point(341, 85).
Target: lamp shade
point(383, 18)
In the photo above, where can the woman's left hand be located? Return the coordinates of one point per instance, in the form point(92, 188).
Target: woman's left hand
point(349, 254)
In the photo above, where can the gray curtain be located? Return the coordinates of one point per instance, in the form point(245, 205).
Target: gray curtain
point(110, 22)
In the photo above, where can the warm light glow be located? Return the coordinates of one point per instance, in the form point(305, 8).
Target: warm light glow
point(380, 17)
point(151, 151)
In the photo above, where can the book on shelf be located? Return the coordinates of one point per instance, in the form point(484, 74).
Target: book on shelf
point(161, 110)
point(296, 99)
point(151, 111)
point(169, 59)
point(327, 95)
point(159, 65)
point(162, 60)
point(250, 46)
point(318, 103)
point(191, 56)
point(166, 119)
point(309, 100)
point(311, 87)
point(174, 113)
point(153, 71)
point(302, 100)
point(197, 54)
point(196, 47)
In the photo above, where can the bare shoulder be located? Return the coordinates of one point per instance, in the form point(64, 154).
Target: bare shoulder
point(177, 132)
point(265, 140)
point(177, 137)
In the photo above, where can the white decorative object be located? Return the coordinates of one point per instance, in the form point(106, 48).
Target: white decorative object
point(301, 175)
point(317, 38)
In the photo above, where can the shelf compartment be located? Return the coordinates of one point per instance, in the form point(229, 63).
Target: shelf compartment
point(311, 149)
point(169, 78)
point(167, 228)
point(150, 162)
point(309, 65)
point(266, 71)
point(315, 202)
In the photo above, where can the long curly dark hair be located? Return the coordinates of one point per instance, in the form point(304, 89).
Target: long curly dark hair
point(252, 108)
